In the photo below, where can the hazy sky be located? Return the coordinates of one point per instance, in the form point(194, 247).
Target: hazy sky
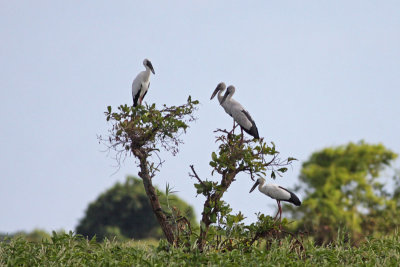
point(312, 74)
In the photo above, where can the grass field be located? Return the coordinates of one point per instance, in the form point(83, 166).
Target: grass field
point(70, 250)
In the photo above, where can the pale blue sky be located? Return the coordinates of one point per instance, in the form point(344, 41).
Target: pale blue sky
point(312, 74)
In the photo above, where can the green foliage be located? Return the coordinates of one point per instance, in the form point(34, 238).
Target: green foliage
point(145, 129)
point(231, 233)
point(74, 250)
point(248, 156)
point(344, 190)
point(385, 219)
point(124, 212)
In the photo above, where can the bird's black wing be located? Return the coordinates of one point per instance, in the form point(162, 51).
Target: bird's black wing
point(253, 131)
point(146, 91)
point(293, 198)
point(136, 97)
point(247, 114)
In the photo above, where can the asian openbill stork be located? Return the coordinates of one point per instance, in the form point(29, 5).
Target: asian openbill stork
point(220, 89)
point(276, 192)
point(236, 110)
point(141, 83)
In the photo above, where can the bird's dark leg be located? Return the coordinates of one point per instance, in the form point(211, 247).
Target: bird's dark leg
point(233, 128)
point(280, 214)
point(276, 216)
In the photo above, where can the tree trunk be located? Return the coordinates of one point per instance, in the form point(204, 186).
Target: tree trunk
point(226, 181)
point(155, 203)
point(204, 225)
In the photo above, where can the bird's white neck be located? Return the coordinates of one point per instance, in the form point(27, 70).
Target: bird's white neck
point(261, 185)
point(220, 96)
point(229, 97)
point(146, 76)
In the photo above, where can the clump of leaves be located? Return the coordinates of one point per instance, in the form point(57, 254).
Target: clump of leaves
point(143, 130)
point(251, 156)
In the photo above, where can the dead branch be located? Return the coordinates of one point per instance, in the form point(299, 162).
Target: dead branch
point(195, 175)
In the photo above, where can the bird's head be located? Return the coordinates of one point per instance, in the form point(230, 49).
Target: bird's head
point(147, 64)
point(220, 87)
point(229, 91)
point(260, 181)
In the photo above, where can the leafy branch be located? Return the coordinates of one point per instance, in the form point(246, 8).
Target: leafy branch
point(142, 130)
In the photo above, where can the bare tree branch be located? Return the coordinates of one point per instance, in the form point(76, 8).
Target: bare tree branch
point(195, 175)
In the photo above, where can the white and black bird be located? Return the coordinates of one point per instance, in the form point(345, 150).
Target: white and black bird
point(141, 83)
point(276, 192)
point(236, 110)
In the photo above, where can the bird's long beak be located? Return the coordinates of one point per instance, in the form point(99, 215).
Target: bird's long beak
point(150, 66)
point(254, 186)
point(224, 98)
point(220, 87)
point(214, 93)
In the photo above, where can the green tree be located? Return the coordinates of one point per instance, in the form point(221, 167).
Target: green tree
point(385, 220)
point(343, 190)
point(124, 211)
